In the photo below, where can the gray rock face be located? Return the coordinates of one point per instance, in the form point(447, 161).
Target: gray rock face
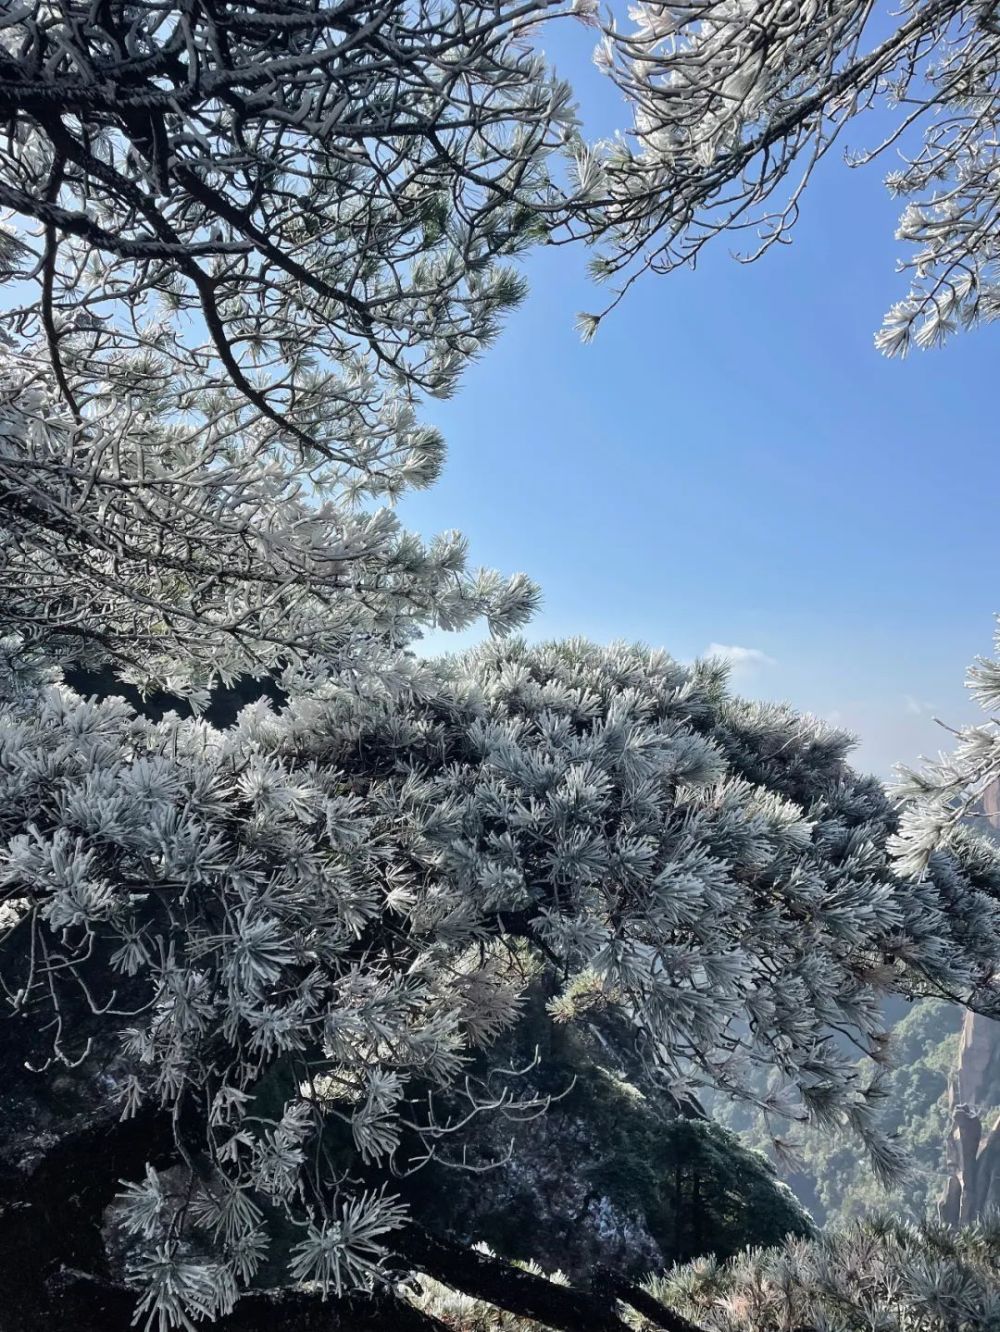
point(546, 1204)
point(972, 1153)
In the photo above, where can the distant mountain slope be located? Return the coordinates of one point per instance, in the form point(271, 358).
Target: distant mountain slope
point(830, 1176)
point(942, 1099)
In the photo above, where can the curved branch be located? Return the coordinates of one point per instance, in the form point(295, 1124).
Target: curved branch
point(522, 1293)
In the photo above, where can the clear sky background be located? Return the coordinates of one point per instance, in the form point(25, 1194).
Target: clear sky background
point(731, 462)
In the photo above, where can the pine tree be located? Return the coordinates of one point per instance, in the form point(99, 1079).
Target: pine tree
point(875, 1274)
point(311, 922)
point(240, 242)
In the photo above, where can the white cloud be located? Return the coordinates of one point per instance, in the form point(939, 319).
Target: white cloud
point(916, 708)
point(739, 657)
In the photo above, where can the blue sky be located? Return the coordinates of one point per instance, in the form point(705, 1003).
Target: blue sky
point(731, 462)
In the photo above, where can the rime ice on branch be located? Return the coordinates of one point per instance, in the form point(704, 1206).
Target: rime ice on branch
point(736, 102)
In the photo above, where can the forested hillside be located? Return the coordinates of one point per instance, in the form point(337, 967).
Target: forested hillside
point(828, 1174)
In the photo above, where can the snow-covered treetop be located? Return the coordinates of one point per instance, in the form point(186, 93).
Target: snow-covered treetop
point(333, 904)
point(943, 798)
point(185, 554)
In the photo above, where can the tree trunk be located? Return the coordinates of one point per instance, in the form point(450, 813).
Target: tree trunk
point(499, 1283)
point(78, 1301)
point(642, 1302)
point(521, 1293)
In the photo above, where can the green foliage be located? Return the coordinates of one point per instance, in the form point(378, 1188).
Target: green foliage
point(700, 1190)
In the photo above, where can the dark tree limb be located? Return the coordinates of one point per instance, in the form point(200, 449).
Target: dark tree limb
point(642, 1302)
point(50, 1224)
point(87, 1302)
point(527, 1296)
